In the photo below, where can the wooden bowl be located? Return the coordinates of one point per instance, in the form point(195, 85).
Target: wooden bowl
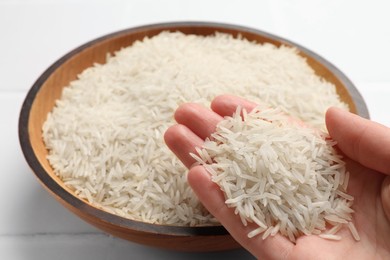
point(40, 101)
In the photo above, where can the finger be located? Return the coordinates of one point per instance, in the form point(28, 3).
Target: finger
point(360, 139)
point(226, 105)
point(200, 120)
point(182, 141)
point(385, 195)
point(276, 247)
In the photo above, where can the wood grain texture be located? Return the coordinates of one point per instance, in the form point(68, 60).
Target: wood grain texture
point(41, 98)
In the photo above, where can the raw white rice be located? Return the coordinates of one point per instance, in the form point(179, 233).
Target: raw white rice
point(105, 134)
point(292, 205)
point(330, 236)
point(354, 231)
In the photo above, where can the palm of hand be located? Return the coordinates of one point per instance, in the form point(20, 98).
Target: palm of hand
point(369, 218)
point(370, 188)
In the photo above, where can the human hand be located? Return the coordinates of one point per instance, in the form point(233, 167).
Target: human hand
point(366, 146)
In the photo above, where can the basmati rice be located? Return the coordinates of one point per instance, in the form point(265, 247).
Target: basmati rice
point(294, 205)
point(330, 236)
point(105, 133)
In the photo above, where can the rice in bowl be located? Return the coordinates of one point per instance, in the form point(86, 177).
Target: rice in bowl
point(105, 134)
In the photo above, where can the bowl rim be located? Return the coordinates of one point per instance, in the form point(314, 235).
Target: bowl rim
point(117, 220)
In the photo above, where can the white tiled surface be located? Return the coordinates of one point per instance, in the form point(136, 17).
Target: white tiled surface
point(353, 35)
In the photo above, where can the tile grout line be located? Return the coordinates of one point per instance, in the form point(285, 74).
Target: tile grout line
point(14, 92)
point(54, 234)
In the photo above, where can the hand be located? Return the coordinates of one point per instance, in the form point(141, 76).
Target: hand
point(366, 146)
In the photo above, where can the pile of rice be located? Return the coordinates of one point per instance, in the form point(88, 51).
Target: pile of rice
point(279, 174)
point(105, 133)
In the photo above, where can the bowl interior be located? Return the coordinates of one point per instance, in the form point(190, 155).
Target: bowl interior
point(48, 88)
point(95, 52)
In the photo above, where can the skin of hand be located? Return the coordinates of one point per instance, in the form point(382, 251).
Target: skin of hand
point(366, 147)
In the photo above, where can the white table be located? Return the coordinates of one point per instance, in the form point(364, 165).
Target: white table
point(353, 35)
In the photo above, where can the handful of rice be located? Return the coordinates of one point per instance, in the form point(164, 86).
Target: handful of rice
point(279, 174)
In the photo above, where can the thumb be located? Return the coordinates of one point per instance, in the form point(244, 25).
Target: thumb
point(360, 139)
